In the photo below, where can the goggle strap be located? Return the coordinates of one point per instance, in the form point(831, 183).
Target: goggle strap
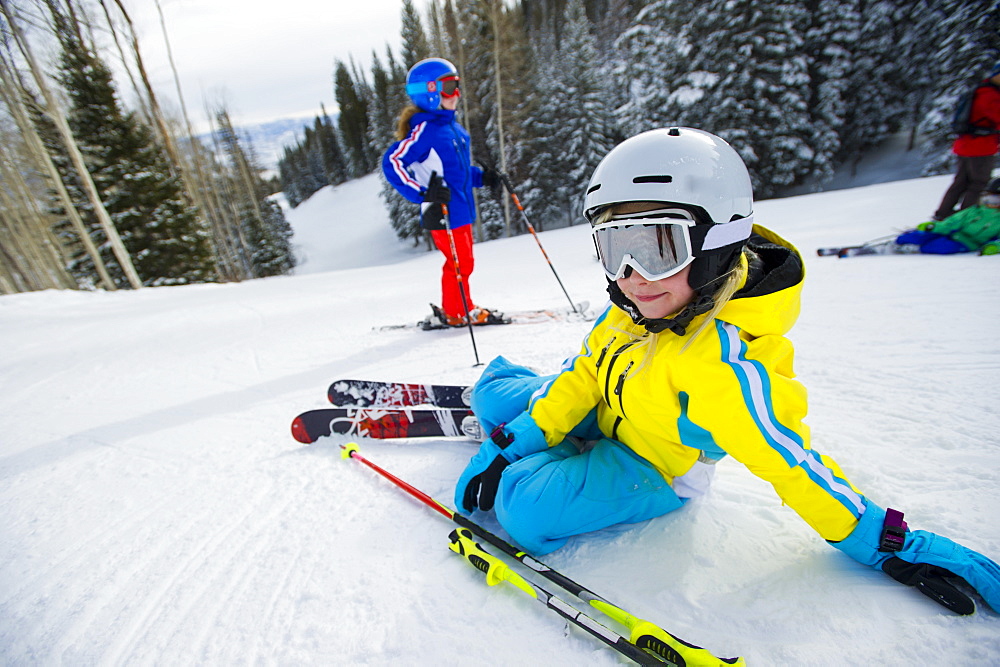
point(728, 233)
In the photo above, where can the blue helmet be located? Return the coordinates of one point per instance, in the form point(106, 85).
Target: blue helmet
point(423, 82)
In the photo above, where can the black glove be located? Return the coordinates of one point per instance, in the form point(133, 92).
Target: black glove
point(432, 217)
point(437, 192)
point(477, 487)
point(493, 178)
point(933, 581)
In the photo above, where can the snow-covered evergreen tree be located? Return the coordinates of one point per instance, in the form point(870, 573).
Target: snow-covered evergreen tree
point(873, 90)
point(651, 72)
point(415, 44)
point(328, 147)
point(140, 190)
point(543, 189)
point(264, 230)
point(576, 109)
point(752, 54)
point(388, 100)
point(967, 38)
point(313, 163)
point(829, 46)
point(353, 121)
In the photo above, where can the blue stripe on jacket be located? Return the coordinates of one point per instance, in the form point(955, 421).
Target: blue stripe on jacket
point(756, 388)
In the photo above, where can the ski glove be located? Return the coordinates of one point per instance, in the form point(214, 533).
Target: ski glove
point(477, 486)
point(929, 562)
point(432, 216)
point(493, 178)
point(436, 196)
point(437, 192)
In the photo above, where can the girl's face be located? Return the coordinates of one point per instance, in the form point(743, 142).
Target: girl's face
point(656, 299)
point(449, 103)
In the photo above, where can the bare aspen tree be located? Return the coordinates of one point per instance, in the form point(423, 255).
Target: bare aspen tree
point(11, 92)
point(450, 27)
point(230, 197)
point(143, 106)
point(55, 113)
point(203, 188)
point(29, 229)
point(166, 138)
point(496, 17)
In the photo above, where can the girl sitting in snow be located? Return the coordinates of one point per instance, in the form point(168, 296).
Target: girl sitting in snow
point(689, 365)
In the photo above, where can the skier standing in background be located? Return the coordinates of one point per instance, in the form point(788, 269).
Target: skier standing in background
point(689, 364)
point(431, 164)
point(976, 151)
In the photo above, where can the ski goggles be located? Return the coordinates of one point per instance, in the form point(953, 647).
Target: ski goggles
point(449, 86)
point(657, 243)
point(991, 200)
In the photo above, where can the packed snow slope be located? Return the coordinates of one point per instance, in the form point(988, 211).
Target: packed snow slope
point(155, 509)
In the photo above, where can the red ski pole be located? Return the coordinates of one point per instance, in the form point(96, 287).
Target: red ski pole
point(531, 228)
point(646, 639)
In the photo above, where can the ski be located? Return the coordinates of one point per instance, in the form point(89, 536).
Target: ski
point(367, 393)
point(884, 248)
point(884, 245)
point(384, 423)
point(432, 323)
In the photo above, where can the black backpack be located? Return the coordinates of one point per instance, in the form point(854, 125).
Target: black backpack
point(961, 120)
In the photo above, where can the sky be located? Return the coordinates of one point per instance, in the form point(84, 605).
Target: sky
point(266, 60)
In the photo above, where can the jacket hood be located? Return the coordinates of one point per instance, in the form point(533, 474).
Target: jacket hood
point(770, 300)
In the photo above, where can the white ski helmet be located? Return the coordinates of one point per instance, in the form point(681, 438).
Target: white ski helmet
point(679, 165)
point(689, 169)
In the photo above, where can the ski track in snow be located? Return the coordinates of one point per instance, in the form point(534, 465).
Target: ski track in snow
point(157, 511)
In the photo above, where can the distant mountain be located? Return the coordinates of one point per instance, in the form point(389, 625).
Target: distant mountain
point(269, 139)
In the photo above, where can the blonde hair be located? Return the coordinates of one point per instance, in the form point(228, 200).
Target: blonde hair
point(403, 122)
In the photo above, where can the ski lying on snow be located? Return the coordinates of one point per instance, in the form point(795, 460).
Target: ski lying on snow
point(431, 323)
point(386, 423)
point(367, 393)
point(887, 248)
point(885, 245)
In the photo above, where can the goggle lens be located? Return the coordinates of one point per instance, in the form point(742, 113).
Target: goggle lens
point(449, 86)
point(655, 246)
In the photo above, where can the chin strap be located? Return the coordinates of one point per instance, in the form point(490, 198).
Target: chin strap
point(677, 324)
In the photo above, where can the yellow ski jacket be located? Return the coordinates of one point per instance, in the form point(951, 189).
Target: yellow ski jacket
point(732, 391)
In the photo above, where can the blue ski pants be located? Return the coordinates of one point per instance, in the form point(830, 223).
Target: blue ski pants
point(547, 497)
point(931, 243)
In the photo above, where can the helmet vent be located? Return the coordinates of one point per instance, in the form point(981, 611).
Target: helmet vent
point(653, 179)
point(594, 189)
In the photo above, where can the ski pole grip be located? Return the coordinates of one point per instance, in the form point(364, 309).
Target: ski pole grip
point(496, 571)
point(651, 637)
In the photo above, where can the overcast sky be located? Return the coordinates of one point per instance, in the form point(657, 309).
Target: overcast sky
point(267, 59)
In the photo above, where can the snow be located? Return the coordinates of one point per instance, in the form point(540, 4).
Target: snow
point(157, 511)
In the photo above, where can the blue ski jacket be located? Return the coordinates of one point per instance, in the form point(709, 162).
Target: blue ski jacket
point(436, 143)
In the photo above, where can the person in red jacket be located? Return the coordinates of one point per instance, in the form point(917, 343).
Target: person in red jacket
point(976, 152)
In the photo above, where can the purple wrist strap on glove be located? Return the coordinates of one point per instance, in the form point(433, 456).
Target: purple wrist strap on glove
point(893, 532)
point(500, 438)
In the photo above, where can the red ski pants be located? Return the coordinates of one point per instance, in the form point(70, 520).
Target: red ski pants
point(451, 298)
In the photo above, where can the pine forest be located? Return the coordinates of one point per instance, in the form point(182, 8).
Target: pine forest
point(95, 195)
point(549, 86)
